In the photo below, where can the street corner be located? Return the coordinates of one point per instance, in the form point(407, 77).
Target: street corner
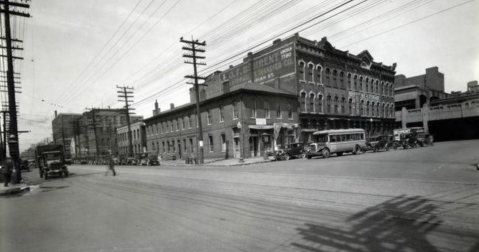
point(16, 190)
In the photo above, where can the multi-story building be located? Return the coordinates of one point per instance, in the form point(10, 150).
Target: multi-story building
point(98, 131)
point(138, 138)
point(414, 92)
point(277, 96)
point(64, 131)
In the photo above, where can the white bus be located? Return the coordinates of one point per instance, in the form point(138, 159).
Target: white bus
point(338, 141)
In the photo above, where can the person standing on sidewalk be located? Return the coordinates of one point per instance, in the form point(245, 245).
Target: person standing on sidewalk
point(7, 171)
point(111, 165)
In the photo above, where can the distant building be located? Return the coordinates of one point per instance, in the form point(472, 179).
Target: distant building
point(414, 92)
point(63, 130)
point(138, 136)
point(92, 133)
point(277, 96)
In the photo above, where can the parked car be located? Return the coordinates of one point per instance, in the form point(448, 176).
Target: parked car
point(131, 161)
point(425, 139)
point(24, 166)
point(153, 160)
point(378, 143)
point(294, 150)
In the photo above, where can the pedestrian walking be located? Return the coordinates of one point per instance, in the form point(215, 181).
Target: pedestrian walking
point(7, 171)
point(111, 166)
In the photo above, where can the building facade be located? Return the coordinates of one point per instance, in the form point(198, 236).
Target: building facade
point(98, 131)
point(138, 137)
point(63, 131)
point(414, 92)
point(276, 96)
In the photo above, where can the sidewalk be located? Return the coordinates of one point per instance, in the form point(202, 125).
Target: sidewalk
point(14, 189)
point(218, 162)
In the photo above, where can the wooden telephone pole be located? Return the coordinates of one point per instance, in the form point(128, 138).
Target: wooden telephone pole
point(13, 137)
point(126, 93)
point(193, 49)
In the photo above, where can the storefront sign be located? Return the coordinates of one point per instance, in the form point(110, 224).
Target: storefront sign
point(260, 121)
point(266, 67)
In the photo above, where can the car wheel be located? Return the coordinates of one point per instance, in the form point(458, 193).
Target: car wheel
point(308, 156)
point(46, 175)
point(286, 157)
point(376, 149)
point(357, 150)
point(303, 155)
point(66, 174)
point(387, 148)
point(325, 153)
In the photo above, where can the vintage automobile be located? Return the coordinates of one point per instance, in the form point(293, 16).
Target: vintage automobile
point(51, 161)
point(378, 143)
point(24, 165)
point(153, 159)
point(294, 150)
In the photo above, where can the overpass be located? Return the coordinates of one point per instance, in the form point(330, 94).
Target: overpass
point(446, 122)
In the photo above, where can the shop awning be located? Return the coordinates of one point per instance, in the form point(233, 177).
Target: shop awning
point(287, 125)
point(261, 127)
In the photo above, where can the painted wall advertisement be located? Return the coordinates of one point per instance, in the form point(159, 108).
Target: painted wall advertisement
point(358, 96)
point(266, 67)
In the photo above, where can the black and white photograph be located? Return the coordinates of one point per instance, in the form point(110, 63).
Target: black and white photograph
point(239, 126)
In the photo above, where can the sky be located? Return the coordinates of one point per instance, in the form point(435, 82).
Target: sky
point(76, 53)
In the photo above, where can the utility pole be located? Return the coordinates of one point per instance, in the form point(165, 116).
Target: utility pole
point(126, 93)
point(13, 138)
point(194, 47)
point(4, 153)
point(94, 132)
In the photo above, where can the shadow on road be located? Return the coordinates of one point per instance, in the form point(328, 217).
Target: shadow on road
point(399, 224)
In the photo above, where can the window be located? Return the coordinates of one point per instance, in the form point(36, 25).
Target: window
point(266, 109)
point(208, 117)
point(320, 103)
point(290, 111)
point(183, 123)
point(303, 101)
point(222, 116)
point(311, 103)
point(210, 138)
point(223, 143)
point(178, 124)
point(253, 109)
point(190, 119)
point(318, 74)
point(278, 110)
point(235, 110)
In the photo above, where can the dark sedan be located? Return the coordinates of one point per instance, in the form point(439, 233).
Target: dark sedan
point(294, 150)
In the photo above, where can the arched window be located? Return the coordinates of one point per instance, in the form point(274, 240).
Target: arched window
point(343, 101)
point(327, 74)
point(360, 84)
point(290, 111)
point(303, 101)
point(367, 108)
point(310, 72)
point(336, 105)
point(341, 80)
point(350, 81)
point(376, 90)
point(335, 78)
point(301, 67)
point(311, 103)
point(328, 104)
point(319, 72)
point(367, 85)
point(355, 82)
point(319, 103)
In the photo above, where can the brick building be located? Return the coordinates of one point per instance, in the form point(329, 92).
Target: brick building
point(277, 96)
point(63, 131)
point(414, 92)
point(138, 138)
point(97, 131)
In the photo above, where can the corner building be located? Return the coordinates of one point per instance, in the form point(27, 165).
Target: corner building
point(276, 96)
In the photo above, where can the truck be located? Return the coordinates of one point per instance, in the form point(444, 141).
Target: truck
point(50, 160)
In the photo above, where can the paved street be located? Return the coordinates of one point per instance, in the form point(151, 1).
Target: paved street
point(422, 199)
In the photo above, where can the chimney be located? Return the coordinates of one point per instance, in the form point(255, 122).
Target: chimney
point(56, 114)
point(172, 105)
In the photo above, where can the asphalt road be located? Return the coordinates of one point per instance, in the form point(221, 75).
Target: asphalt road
point(424, 199)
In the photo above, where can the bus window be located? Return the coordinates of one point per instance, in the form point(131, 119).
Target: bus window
point(348, 137)
point(362, 136)
point(343, 138)
point(332, 138)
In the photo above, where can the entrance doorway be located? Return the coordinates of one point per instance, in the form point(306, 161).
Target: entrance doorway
point(253, 146)
point(236, 142)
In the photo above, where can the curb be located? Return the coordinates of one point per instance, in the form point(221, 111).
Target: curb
point(15, 191)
